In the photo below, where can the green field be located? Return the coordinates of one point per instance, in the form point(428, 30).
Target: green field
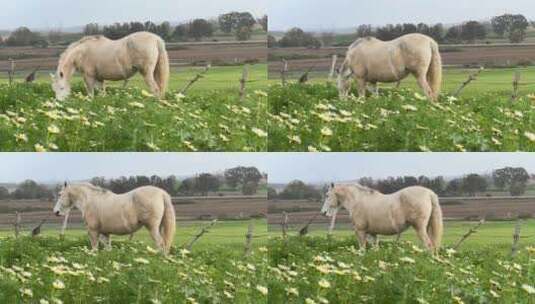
point(318, 269)
point(483, 118)
point(215, 271)
point(210, 117)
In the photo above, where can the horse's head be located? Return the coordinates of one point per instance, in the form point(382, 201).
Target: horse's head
point(64, 202)
point(343, 82)
point(331, 203)
point(60, 85)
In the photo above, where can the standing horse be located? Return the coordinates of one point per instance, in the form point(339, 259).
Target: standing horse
point(374, 213)
point(98, 59)
point(370, 60)
point(107, 213)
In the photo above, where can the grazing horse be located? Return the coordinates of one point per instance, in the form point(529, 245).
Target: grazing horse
point(98, 59)
point(107, 213)
point(370, 60)
point(374, 213)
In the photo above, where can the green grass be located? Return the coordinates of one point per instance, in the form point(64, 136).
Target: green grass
point(312, 118)
point(215, 271)
point(210, 118)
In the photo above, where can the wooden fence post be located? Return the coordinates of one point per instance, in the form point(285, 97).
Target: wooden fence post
point(204, 230)
point(516, 83)
point(195, 79)
point(284, 224)
point(249, 239)
point(333, 67)
point(243, 81)
point(11, 72)
point(284, 71)
point(468, 233)
point(516, 237)
point(16, 224)
point(471, 77)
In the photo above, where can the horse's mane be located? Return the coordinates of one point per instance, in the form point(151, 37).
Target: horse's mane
point(360, 40)
point(363, 188)
point(79, 42)
point(93, 187)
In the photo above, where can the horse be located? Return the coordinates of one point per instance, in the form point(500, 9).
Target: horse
point(370, 60)
point(98, 59)
point(107, 213)
point(374, 213)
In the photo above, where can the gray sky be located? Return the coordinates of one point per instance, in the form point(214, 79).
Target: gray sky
point(54, 167)
point(326, 15)
point(327, 167)
point(68, 13)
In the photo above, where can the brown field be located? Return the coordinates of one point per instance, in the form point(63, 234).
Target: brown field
point(300, 211)
point(187, 209)
point(320, 59)
point(180, 54)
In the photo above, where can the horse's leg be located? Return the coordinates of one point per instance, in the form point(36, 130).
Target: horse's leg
point(398, 84)
point(362, 87)
point(106, 241)
point(361, 236)
point(398, 237)
point(421, 231)
point(90, 85)
point(424, 85)
point(374, 239)
point(149, 79)
point(93, 237)
point(156, 236)
point(375, 88)
point(131, 237)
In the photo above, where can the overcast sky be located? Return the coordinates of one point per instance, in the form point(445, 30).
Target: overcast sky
point(327, 15)
point(54, 167)
point(328, 167)
point(68, 13)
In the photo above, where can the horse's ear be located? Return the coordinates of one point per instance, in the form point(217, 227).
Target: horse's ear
point(65, 184)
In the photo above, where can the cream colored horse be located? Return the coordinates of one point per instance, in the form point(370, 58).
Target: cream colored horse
point(370, 60)
point(98, 59)
point(374, 213)
point(107, 213)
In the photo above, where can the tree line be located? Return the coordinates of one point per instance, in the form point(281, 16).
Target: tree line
point(510, 26)
point(239, 24)
point(510, 179)
point(244, 179)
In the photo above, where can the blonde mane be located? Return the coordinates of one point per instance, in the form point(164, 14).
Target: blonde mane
point(75, 44)
point(91, 187)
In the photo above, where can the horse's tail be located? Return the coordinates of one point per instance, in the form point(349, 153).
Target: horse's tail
point(435, 228)
point(161, 73)
point(168, 224)
point(434, 73)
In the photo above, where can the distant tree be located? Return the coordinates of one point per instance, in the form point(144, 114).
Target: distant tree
point(55, 36)
point(164, 30)
point(200, 28)
point(296, 37)
point(243, 33)
point(99, 182)
point(22, 37)
point(500, 24)
point(514, 179)
point(150, 27)
point(271, 193)
point(454, 187)
point(92, 29)
point(474, 183)
point(263, 21)
point(234, 21)
point(299, 190)
point(409, 28)
point(4, 193)
point(271, 41)
point(29, 189)
point(136, 27)
point(453, 34)
point(473, 30)
point(249, 188)
point(239, 176)
point(364, 30)
point(188, 186)
point(513, 25)
point(206, 182)
point(181, 32)
point(517, 36)
point(327, 38)
point(436, 32)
